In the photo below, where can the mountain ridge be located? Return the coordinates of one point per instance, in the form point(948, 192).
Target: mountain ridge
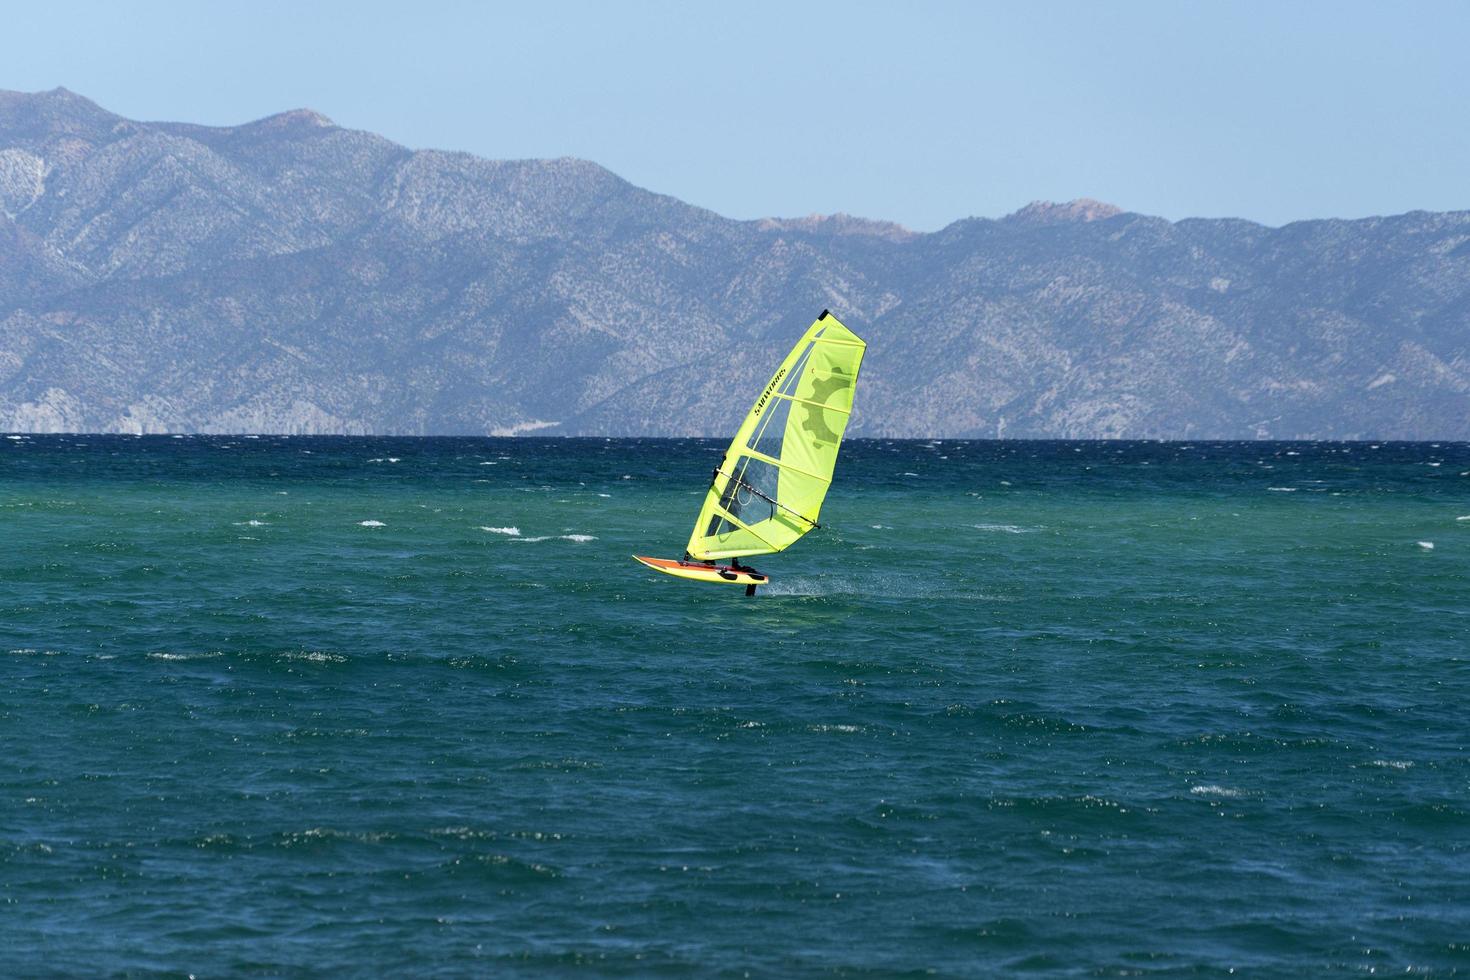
point(288, 274)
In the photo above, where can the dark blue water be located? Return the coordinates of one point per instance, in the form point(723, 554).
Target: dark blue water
point(370, 706)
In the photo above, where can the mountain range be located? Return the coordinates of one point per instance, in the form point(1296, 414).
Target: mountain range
point(290, 275)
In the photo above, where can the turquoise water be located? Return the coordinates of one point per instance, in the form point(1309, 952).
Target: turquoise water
point(361, 706)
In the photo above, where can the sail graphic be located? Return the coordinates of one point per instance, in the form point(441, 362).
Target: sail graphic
point(768, 489)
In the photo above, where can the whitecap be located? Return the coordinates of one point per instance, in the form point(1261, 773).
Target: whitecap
point(251, 523)
point(579, 538)
point(846, 729)
point(604, 495)
point(1006, 528)
point(1465, 518)
point(1213, 790)
point(371, 524)
point(1282, 489)
point(544, 537)
point(316, 656)
point(1426, 545)
point(513, 532)
point(1392, 763)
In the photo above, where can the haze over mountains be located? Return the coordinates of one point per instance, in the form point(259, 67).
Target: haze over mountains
point(291, 276)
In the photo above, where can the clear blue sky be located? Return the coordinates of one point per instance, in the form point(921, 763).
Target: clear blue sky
point(920, 113)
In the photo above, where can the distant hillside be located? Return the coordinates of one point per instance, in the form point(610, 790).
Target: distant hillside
point(288, 275)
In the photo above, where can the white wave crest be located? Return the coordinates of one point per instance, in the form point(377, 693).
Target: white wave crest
point(371, 524)
point(513, 532)
point(1213, 790)
point(316, 657)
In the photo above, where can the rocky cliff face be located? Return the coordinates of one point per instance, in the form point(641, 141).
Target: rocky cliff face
point(291, 276)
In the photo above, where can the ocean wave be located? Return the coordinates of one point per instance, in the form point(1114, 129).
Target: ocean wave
point(1213, 790)
point(315, 656)
point(314, 835)
point(371, 524)
point(513, 532)
point(1008, 528)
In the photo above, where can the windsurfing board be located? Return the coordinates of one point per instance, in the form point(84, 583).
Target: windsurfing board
point(699, 571)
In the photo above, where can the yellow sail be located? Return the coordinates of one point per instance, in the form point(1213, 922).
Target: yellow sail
point(768, 489)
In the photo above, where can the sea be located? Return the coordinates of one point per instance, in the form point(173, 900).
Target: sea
point(309, 706)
